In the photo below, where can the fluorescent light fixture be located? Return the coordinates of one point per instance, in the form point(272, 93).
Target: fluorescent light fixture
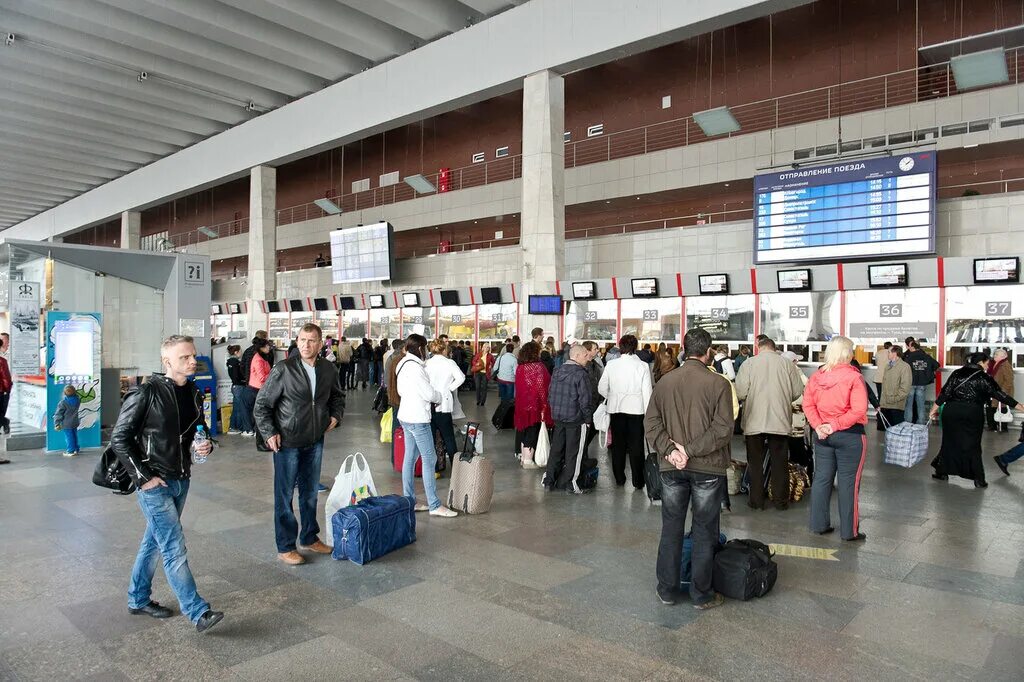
point(328, 206)
point(420, 184)
point(980, 69)
point(717, 121)
point(208, 232)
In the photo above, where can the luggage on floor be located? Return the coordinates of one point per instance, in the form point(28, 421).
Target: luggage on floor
point(386, 424)
point(543, 450)
point(906, 444)
point(441, 465)
point(685, 572)
point(373, 527)
point(801, 452)
point(504, 415)
point(472, 484)
point(398, 453)
point(766, 472)
point(799, 483)
point(350, 487)
point(380, 401)
point(734, 477)
point(744, 569)
point(652, 477)
point(588, 473)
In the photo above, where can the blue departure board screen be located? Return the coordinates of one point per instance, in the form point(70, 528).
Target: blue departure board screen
point(849, 209)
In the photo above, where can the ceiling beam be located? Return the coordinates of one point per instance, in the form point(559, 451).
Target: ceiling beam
point(55, 126)
point(35, 162)
point(51, 179)
point(16, 135)
point(60, 153)
point(35, 189)
point(25, 203)
point(447, 16)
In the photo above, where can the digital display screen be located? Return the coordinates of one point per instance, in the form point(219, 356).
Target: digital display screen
point(216, 309)
point(296, 305)
point(235, 308)
point(73, 350)
point(411, 300)
point(848, 209)
point(490, 295)
point(888, 275)
point(583, 290)
point(545, 305)
point(376, 301)
point(320, 304)
point(988, 270)
point(794, 280)
point(273, 306)
point(449, 297)
point(347, 302)
point(361, 254)
point(713, 284)
point(647, 286)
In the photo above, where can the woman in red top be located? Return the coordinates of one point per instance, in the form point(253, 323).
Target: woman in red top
point(836, 406)
point(481, 367)
point(532, 381)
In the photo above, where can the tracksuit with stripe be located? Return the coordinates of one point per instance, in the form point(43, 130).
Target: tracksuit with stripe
point(569, 396)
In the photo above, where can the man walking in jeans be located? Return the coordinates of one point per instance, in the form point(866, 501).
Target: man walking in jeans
point(301, 401)
point(153, 439)
point(689, 423)
point(923, 367)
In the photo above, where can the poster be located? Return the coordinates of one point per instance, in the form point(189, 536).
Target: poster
point(23, 356)
point(73, 357)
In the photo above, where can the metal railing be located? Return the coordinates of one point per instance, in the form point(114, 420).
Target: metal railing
point(228, 229)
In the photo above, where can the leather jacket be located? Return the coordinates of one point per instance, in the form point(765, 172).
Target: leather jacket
point(146, 438)
point(970, 384)
point(286, 407)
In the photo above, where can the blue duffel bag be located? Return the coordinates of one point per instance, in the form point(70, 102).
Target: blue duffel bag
point(685, 572)
point(373, 527)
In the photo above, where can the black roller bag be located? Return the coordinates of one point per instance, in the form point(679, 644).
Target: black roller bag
point(744, 569)
point(504, 415)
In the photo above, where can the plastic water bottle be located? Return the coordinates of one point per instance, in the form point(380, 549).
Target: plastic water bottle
point(199, 439)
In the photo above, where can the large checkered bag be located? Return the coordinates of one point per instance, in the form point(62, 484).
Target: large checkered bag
point(906, 444)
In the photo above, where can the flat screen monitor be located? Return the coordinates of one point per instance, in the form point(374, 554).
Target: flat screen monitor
point(235, 308)
point(855, 208)
point(347, 302)
point(449, 297)
point(996, 270)
point(490, 295)
point(216, 309)
point(320, 304)
point(273, 306)
point(411, 300)
point(794, 280)
point(545, 305)
point(713, 284)
point(647, 286)
point(296, 305)
point(887, 275)
point(584, 291)
point(376, 300)
point(362, 254)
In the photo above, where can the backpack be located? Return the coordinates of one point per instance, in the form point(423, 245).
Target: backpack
point(744, 569)
point(718, 365)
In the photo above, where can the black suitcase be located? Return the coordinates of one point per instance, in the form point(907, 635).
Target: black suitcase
point(652, 477)
point(744, 569)
point(504, 415)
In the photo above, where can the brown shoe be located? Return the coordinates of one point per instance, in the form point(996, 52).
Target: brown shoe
point(292, 558)
point(318, 547)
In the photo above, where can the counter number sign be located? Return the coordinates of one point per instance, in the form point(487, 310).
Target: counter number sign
point(720, 314)
point(890, 310)
point(590, 316)
point(997, 309)
point(799, 312)
point(650, 315)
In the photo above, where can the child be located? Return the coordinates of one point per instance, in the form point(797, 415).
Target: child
point(66, 419)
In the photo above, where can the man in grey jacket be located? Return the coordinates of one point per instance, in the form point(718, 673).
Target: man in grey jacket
point(570, 399)
point(768, 384)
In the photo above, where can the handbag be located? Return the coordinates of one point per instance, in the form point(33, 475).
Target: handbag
point(540, 455)
point(386, 423)
point(1003, 415)
point(110, 472)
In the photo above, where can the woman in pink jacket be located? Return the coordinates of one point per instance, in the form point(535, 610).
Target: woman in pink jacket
point(836, 405)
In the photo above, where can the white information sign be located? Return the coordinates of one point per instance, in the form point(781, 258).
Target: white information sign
point(23, 355)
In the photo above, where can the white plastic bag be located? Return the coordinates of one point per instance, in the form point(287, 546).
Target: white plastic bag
point(349, 487)
point(601, 418)
point(540, 455)
point(475, 436)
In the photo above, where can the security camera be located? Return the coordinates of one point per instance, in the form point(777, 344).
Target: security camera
point(143, 75)
point(9, 40)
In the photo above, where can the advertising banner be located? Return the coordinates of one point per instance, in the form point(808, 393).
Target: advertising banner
point(23, 355)
point(73, 357)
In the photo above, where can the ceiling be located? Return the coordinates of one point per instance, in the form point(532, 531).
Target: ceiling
point(93, 89)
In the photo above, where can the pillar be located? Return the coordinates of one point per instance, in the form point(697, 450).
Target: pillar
point(261, 281)
point(131, 230)
point(542, 227)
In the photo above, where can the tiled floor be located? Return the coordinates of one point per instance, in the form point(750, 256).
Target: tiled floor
point(542, 587)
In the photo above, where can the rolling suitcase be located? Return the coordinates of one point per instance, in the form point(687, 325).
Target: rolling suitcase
point(504, 415)
point(398, 452)
point(472, 483)
point(373, 527)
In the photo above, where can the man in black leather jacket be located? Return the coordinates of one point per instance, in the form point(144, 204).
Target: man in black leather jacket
point(301, 401)
point(153, 440)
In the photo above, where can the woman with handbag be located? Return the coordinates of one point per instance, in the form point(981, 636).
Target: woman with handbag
point(1000, 417)
point(483, 361)
point(963, 399)
point(531, 396)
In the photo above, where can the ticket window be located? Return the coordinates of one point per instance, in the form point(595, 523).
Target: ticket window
point(729, 319)
point(238, 322)
point(984, 318)
point(595, 321)
point(653, 320)
point(353, 324)
point(801, 322)
point(278, 329)
point(298, 321)
point(458, 322)
point(385, 323)
point(498, 321)
point(418, 321)
point(874, 316)
point(220, 325)
point(327, 320)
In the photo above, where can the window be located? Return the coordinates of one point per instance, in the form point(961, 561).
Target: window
point(278, 329)
point(983, 318)
point(875, 316)
point(653, 320)
point(384, 323)
point(297, 321)
point(328, 321)
point(592, 320)
point(802, 322)
point(498, 321)
point(418, 321)
point(353, 324)
point(726, 318)
point(458, 322)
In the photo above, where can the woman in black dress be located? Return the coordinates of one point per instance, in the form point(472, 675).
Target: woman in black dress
point(963, 400)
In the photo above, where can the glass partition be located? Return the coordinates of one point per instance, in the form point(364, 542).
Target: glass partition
point(353, 324)
point(328, 321)
point(984, 318)
point(802, 322)
point(458, 322)
point(220, 325)
point(385, 323)
point(278, 329)
point(592, 321)
point(418, 321)
point(298, 320)
point(238, 323)
point(726, 318)
point(498, 321)
point(876, 316)
point(653, 320)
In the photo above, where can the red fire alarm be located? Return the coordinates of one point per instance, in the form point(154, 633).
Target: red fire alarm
point(444, 247)
point(444, 180)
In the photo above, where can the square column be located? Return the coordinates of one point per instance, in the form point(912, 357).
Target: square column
point(261, 282)
point(542, 238)
point(131, 230)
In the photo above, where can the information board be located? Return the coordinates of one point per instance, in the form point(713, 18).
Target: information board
point(73, 358)
point(849, 209)
point(361, 254)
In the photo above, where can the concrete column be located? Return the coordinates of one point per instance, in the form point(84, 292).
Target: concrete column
point(542, 239)
point(131, 230)
point(261, 281)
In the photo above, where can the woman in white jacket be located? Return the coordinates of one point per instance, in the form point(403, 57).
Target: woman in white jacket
point(417, 397)
point(626, 385)
point(446, 377)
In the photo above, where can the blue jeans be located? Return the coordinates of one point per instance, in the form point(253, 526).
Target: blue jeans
point(419, 442)
point(71, 438)
point(296, 466)
point(916, 396)
point(679, 490)
point(162, 508)
point(1013, 454)
point(241, 412)
point(506, 391)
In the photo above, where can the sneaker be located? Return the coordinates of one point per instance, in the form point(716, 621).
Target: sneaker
point(579, 491)
point(322, 488)
point(530, 464)
point(70, 454)
point(421, 508)
point(444, 512)
point(667, 597)
point(248, 434)
point(234, 432)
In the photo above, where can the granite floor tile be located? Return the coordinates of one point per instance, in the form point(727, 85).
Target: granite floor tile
point(49, 658)
point(105, 619)
point(356, 582)
point(949, 638)
point(23, 623)
point(177, 657)
point(325, 657)
point(250, 630)
point(971, 583)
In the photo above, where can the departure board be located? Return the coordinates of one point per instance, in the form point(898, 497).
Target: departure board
point(849, 209)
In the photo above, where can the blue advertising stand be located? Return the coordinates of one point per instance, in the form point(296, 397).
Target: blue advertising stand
point(73, 357)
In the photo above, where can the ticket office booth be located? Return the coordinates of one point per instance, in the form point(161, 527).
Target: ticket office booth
point(653, 320)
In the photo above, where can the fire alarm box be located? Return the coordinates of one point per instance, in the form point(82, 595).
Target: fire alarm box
point(444, 247)
point(444, 180)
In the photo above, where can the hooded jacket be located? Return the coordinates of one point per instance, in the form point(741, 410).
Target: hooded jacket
point(838, 398)
point(66, 416)
point(569, 394)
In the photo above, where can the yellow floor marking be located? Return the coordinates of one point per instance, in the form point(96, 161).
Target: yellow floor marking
point(805, 552)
